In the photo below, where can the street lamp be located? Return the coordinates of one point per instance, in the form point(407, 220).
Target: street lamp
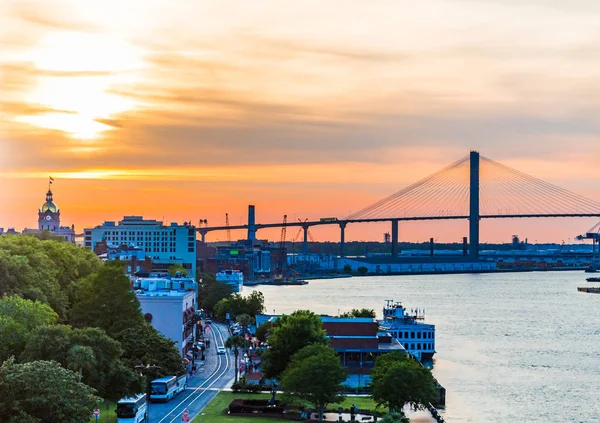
point(146, 370)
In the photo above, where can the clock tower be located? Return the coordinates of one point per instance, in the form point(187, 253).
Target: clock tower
point(49, 215)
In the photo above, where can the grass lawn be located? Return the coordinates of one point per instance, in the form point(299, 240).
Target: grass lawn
point(112, 416)
point(214, 411)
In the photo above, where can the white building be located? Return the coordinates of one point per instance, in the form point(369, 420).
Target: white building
point(165, 245)
point(170, 312)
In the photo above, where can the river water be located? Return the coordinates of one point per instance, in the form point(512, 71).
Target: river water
point(511, 348)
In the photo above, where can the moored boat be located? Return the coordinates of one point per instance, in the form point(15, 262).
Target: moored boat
point(592, 290)
point(593, 279)
point(417, 337)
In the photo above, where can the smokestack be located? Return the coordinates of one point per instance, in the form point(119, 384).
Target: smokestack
point(431, 247)
point(251, 224)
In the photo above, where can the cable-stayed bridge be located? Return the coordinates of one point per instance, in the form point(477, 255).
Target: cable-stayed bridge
point(471, 188)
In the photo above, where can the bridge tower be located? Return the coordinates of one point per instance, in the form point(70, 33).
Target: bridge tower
point(474, 206)
point(251, 224)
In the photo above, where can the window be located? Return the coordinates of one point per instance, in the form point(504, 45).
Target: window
point(418, 346)
point(412, 335)
point(418, 335)
point(406, 335)
point(399, 335)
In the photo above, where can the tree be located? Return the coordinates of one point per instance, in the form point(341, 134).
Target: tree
point(47, 271)
point(236, 342)
point(13, 335)
point(398, 380)
point(263, 330)
point(211, 292)
point(363, 312)
point(288, 335)
point(221, 309)
point(29, 313)
point(362, 270)
point(394, 418)
point(315, 375)
point(347, 269)
point(143, 344)
point(105, 300)
point(80, 357)
point(43, 392)
point(18, 317)
point(174, 268)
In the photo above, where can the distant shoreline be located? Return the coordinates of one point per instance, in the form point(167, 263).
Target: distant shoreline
point(451, 272)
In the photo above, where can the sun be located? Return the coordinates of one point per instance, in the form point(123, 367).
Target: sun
point(74, 76)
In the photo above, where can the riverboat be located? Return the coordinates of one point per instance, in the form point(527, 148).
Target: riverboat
point(593, 279)
point(417, 337)
point(594, 290)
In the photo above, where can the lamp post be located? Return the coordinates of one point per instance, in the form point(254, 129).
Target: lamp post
point(146, 370)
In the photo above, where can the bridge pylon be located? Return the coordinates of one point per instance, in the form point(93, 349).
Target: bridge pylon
point(474, 205)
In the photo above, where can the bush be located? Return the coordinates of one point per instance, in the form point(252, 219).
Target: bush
point(247, 388)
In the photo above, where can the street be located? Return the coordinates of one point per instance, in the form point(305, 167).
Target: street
point(213, 374)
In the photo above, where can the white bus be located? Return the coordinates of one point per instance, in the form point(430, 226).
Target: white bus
point(132, 409)
point(165, 388)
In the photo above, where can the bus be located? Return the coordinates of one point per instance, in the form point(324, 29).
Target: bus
point(165, 388)
point(132, 409)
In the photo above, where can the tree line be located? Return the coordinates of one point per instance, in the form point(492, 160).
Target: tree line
point(72, 324)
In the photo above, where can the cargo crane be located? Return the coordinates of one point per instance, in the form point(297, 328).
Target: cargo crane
point(282, 254)
point(228, 230)
point(594, 234)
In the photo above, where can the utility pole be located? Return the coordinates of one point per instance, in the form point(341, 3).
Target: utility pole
point(146, 370)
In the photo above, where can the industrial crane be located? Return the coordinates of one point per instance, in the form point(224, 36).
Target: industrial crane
point(594, 234)
point(228, 230)
point(282, 254)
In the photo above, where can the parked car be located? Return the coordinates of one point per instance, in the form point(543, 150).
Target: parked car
point(208, 321)
point(221, 350)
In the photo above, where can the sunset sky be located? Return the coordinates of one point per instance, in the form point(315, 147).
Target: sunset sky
point(188, 109)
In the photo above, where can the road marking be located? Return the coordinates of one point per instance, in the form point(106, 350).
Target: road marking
point(207, 387)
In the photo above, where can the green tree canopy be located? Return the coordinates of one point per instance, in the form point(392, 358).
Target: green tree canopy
point(30, 314)
point(13, 335)
point(236, 342)
point(105, 300)
point(174, 268)
point(143, 344)
point(47, 271)
point(18, 317)
point(106, 373)
point(394, 418)
point(315, 375)
point(237, 304)
point(362, 270)
point(43, 392)
point(263, 330)
point(80, 357)
point(288, 335)
point(363, 312)
point(398, 380)
point(211, 292)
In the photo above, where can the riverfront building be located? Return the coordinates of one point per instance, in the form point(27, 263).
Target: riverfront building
point(169, 305)
point(164, 245)
point(358, 342)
